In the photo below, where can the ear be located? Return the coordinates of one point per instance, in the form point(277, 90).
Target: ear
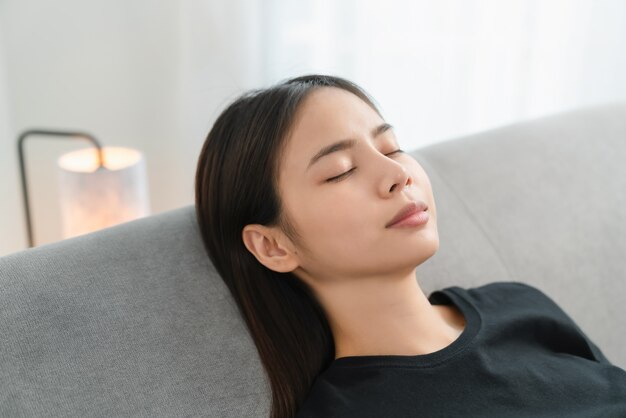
point(262, 243)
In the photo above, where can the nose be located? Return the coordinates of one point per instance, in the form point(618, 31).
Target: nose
point(397, 180)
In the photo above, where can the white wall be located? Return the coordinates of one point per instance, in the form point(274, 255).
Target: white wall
point(102, 67)
point(11, 234)
point(147, 74)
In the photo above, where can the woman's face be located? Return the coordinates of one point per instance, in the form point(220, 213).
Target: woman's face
point(343, 223)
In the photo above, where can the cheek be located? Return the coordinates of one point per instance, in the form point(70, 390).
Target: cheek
point(344, 227)
point(334, 216)
point(422, 177)
point(329, 220)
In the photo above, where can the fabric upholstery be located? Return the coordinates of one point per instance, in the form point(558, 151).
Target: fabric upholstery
point(134, 321)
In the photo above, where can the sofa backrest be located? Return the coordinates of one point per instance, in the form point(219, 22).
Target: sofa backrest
point(133, 320)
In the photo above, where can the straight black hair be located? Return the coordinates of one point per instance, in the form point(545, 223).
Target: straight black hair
point(236, 185)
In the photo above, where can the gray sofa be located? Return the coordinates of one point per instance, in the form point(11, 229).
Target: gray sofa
point(133, 320)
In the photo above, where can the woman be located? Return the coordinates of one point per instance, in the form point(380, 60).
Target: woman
point(316, 220)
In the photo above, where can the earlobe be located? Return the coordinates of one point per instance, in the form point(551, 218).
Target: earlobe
point(267, 250)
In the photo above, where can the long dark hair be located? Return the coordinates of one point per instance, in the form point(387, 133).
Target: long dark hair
point(236, 185)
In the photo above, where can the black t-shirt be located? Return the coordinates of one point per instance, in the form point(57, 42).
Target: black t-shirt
point(520, 355)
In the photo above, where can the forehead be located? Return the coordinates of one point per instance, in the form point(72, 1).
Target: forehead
point(326, 115)
point(330, 109)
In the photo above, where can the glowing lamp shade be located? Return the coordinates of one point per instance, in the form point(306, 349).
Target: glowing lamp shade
point(94, 197)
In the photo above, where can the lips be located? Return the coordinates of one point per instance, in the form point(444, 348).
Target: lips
point(408, 210)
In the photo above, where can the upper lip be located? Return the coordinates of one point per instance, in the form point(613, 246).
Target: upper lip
point(408, 210)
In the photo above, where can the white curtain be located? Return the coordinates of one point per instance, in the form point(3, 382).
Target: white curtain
point(446, 68)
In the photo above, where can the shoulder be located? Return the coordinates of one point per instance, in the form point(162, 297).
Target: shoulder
point(327, 401)
point(509, 295)
point(507, 289)
point(500, 290)
point(534, 304)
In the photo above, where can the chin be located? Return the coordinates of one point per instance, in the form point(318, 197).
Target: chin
point(428, 248)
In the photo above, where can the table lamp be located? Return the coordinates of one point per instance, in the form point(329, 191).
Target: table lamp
point(98, 187)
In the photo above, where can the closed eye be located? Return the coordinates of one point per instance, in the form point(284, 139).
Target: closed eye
point(347, 173)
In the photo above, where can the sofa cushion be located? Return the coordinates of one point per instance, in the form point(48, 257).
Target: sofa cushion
point(133, 320)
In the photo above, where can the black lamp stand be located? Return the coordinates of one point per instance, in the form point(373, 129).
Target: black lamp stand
point(20, 148)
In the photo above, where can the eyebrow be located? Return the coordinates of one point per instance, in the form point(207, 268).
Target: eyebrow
point(345, 144)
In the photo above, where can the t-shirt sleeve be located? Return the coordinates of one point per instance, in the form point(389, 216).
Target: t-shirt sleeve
point(541, 296)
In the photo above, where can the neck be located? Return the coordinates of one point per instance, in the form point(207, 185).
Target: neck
point(383, 316)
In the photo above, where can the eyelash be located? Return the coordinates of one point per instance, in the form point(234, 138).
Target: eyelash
point(340, 176)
